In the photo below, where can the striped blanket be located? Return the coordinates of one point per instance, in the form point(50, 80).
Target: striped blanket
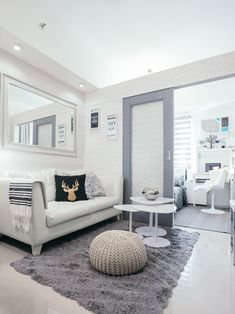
point(20, 196)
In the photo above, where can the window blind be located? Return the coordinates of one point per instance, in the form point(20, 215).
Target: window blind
point(182, 141)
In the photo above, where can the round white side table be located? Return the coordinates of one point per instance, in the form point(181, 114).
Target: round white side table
point(128, 208)
point(149, 231)
point(156, 241)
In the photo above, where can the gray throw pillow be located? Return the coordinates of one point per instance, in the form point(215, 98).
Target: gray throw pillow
point(93, 186)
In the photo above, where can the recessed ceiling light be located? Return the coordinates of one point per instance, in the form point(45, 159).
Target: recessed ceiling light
point(82, 85)
point(17, 47)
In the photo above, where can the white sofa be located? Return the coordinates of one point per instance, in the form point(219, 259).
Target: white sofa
point(51, 219)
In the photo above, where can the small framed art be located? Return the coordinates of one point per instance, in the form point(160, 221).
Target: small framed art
point(112, 126)
point(95, 119)
point(225, 124)
point(61, 134)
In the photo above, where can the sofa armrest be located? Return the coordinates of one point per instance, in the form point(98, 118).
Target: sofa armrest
point(38, 220)
point(113, 186)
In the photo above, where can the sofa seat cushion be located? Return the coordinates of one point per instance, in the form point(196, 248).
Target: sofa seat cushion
point(59, 212)
point(103, 202)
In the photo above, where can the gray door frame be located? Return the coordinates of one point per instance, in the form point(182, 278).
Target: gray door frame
point(166, 96)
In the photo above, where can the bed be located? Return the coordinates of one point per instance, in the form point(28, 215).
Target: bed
point(180, 195)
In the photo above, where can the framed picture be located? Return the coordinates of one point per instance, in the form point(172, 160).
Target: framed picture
point(112, 126)
point(95, 119)
point(61, 134)
point(224, 124)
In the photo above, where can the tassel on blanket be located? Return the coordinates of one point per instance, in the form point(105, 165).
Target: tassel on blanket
point(20, 196)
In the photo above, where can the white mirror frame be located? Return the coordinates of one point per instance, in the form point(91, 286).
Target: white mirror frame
point(5, 81)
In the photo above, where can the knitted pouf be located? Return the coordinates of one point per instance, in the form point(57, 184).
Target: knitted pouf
point(118, 252)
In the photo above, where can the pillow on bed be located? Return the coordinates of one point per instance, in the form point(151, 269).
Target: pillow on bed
point(178, 181)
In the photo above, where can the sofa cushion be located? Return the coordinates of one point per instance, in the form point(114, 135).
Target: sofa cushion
point(46, 176)
point(70, 188)
point(103, 202)
point(59, 212)
point(93, 186)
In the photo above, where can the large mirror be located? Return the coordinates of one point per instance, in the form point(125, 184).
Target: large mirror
point(37, 121)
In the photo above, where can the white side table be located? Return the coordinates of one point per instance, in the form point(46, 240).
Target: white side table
point(232, 228)
point(156, 241)
point(150, 230)
point(127, 208)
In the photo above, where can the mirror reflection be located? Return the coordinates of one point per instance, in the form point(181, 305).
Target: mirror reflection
point(39, 121)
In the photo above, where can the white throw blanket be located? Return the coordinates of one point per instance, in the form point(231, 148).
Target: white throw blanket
point(20, 196)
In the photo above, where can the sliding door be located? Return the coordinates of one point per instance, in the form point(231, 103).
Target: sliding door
point(148, 146)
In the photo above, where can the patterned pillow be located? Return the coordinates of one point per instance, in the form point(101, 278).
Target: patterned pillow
point(93, 186)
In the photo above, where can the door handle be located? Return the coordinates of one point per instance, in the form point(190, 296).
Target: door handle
point(168, 155)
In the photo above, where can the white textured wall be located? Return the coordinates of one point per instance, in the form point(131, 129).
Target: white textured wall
point(101, 155)
point(105, 157)
point(30, 75)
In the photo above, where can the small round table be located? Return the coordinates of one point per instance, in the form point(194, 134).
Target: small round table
point(156, 241)
point(149, 231)
point(127, 208)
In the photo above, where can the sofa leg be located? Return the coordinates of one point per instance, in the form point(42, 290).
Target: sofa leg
point(119, 217)
point(36, 249)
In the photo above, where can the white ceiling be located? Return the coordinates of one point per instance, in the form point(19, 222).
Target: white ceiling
point(110, 41)
point(204, 96)
point(41, 61)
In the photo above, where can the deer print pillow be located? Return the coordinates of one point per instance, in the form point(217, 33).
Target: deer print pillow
point(70, 188)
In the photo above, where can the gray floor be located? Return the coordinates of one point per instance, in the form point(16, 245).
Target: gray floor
point(192, 217)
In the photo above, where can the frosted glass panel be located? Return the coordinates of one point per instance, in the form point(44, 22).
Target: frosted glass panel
point(147, 146)
point(45, 135)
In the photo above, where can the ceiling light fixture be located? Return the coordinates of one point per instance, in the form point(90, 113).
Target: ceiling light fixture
point(82, 85)
point(17, 47)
